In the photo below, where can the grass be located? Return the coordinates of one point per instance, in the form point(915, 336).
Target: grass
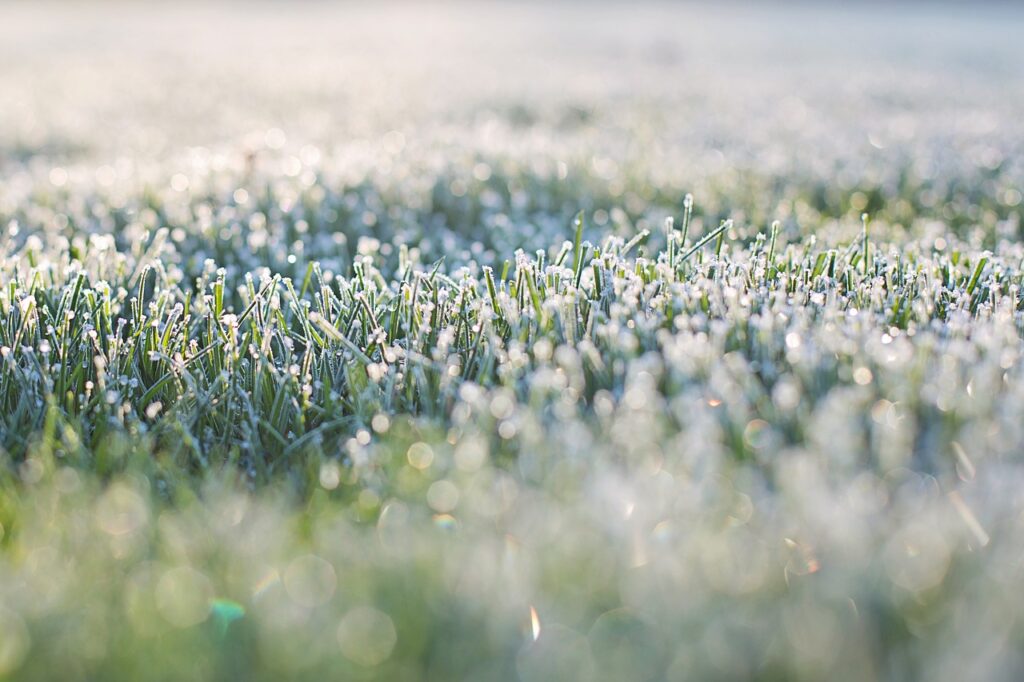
point(646, 360)
point(387, 470)
point(216, 371)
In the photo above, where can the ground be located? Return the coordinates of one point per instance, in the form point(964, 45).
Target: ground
point(491, 341)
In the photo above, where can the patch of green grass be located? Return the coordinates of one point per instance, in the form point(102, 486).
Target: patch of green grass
point(334, 348)
point(383, 471)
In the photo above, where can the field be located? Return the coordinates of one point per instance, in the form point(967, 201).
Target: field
point(484, 342)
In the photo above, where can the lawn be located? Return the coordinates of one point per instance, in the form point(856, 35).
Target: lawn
point(511, 342)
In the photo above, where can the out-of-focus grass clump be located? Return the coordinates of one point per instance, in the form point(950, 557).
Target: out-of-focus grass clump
point(322, 376)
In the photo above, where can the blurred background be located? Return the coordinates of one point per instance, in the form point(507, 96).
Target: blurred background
point(145, 77)
point(639, 102)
